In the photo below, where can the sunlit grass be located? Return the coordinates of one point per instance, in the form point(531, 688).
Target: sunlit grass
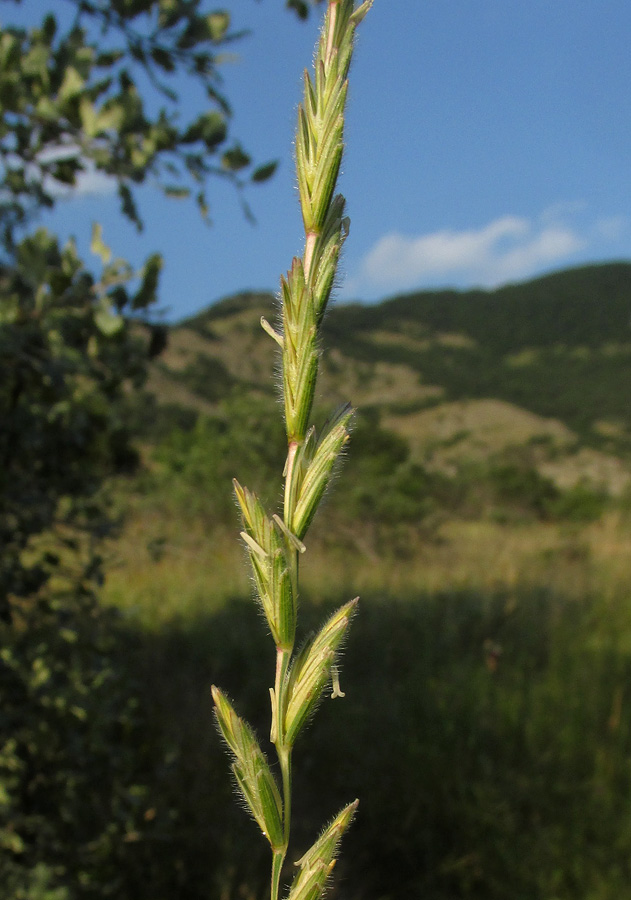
point(167, 566)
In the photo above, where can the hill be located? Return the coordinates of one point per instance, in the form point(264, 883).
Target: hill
point(538, 367)
point(484, 518)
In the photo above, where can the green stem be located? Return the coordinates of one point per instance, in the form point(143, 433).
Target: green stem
point(277, 865)
point(283, 657)
point(282, 664)
point(285, 765)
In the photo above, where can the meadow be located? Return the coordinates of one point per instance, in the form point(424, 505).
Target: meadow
point(486, 717)
point(488, 683)
point(486, 722)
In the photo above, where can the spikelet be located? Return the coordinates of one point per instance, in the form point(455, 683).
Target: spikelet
point(251, 770)
point(267, 542)
point(311, 671)
point(317, 863)
point(274, 543)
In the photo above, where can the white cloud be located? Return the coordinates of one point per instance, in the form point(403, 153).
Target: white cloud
point(91, 181)
point(506, 249)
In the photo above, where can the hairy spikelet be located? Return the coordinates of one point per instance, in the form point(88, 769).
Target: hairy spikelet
point(274, 543)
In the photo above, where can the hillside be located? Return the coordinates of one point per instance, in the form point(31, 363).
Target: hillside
point(536, 369)
point(483, 516)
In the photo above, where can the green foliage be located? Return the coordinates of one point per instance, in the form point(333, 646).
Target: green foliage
point(383, 491)
point(66, 352)
point(207, 377)
point(580, 503)
point(510, 487)
point(148, 419)
point(197, 465)
point(73, 757)
point(384, 487)
point(70, 786)
point(557, 345)
point(524, 487)
point(586, 306)
point(74, 99)
point(247, 438)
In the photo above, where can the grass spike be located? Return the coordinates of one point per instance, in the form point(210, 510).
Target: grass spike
point(275, 543)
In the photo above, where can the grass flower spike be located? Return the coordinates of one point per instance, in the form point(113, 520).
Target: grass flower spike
point(274, 543)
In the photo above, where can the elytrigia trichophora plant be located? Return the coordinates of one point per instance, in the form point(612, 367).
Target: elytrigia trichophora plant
point(274, 542)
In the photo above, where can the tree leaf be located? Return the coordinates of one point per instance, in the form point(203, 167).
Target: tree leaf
point(89, 118)
point(235, 159)
point(147, 292)
point(107, 322)
point(173, 190)
point(265, 171)
point(110, 117)
point(218, 24)
point(163, 58)
point(71, 85)
point(128, 206)
point(97, 244)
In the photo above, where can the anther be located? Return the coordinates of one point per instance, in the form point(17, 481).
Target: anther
point(337, 690)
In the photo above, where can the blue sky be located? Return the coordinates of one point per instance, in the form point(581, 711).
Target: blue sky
point(487, 141)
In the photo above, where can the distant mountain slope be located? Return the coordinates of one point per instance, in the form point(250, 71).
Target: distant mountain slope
point(587, 306)
point(559, 346)
point(544, 364)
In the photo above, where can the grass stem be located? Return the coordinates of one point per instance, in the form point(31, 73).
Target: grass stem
point(274, 544)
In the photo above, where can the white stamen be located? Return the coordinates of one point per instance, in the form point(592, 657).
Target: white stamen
point(337, 690)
